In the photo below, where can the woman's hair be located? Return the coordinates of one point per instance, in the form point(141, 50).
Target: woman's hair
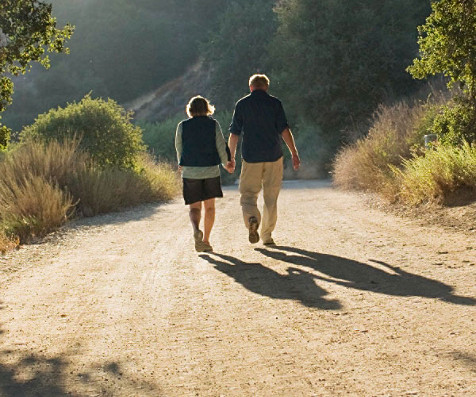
point(199, 106)
point(259, 81)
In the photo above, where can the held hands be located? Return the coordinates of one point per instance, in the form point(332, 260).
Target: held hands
point(296, 161)
point(230, 166)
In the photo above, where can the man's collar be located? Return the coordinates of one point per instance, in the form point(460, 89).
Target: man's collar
point(259, 92)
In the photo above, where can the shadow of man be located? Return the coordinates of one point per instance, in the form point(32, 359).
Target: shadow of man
point(358, 275)
point(296, 285)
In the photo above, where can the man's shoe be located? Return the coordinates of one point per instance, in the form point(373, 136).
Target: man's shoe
point(269, 241)
point(253, 236)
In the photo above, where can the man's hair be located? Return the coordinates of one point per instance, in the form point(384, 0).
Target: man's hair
point(259, 81)
point(199, 106)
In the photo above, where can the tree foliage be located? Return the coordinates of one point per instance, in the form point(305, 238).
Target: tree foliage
point(239, 47)
point(337, 60)
point(27, 32)
point(120, 49)
point(448, 45)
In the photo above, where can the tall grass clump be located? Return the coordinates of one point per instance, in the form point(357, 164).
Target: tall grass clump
point(42, 185)
point(445, 175)
point(34, 199)
point(111, 189)
point(395, 133)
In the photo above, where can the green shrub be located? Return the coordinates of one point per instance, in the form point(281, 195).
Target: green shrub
point(455, 123)
point(442, 175)
point(103, 127)
point(159, 138)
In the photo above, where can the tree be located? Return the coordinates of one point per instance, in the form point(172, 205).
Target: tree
point(27, 32)
point(448, 45)
point(239, 48)
point(336, 61)
point(121, 49)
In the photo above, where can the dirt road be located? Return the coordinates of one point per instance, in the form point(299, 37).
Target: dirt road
point(352, 302)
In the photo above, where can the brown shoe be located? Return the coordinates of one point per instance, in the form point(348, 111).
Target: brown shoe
point(198, 237)
point(253, 236)
point(203, 247)
point(269, 241)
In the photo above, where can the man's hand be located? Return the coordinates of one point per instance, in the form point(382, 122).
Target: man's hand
point(230, 166)
point(296, 162)
point(288, 138)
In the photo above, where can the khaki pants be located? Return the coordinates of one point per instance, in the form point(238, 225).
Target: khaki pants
point(254, 176)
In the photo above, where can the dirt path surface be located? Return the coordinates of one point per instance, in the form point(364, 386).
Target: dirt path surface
point(352, 301)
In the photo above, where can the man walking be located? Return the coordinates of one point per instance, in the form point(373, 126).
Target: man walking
point(260, 119)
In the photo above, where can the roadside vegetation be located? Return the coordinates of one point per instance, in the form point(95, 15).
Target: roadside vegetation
point(348, 97)
point(64, 168)
point(391, 159)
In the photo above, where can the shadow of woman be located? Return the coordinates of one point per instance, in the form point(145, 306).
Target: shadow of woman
point(296, 285)
point(362, 276)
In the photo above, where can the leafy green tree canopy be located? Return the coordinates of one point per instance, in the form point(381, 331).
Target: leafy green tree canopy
point(336, 60)
point(448, 45)
point(27, 32)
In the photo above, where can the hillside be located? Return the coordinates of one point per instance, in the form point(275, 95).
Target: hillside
point(171, 98)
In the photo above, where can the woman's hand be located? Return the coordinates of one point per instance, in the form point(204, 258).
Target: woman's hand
point(230, 166)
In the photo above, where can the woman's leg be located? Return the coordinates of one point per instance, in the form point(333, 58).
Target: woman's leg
point(209, 218)
point(195, 215)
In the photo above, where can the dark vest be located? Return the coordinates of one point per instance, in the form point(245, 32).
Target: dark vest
point(199, 147)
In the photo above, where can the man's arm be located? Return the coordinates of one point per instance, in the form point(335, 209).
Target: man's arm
point(289, 140)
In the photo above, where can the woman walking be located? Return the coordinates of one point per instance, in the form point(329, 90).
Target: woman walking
point(201, 147)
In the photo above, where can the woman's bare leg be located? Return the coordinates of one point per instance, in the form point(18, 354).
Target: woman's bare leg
point(209, 218)
point(195, 215)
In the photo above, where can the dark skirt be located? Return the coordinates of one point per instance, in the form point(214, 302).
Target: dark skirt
point(201, 189)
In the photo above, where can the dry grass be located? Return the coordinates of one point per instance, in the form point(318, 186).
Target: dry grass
point(7, 243)
point(396, 134)
point(32, 206)
point(42, 185)
point(365, 165)
point(106, 190)
point(446, 175)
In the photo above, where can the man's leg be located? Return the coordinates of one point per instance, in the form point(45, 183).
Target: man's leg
point(209, 218)
point(250, 186)
point(272, 180)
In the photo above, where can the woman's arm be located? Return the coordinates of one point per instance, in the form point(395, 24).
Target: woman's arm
point(223, 149)
point(178, 141)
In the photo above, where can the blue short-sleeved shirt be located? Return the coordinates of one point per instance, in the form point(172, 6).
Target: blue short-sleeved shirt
point(261, 119)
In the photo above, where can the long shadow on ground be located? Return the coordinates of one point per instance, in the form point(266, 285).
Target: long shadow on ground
point(297, 285)
point(362, 276)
